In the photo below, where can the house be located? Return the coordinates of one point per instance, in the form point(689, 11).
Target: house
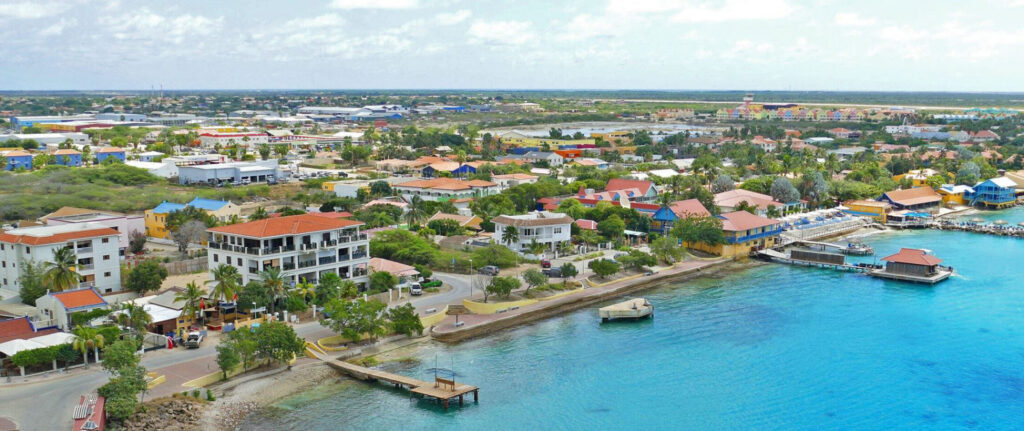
point(918, 177)
point(997, 192)
point(470, 222)
point(223, 140)
point(984, 136)
point(913, 262)
point(452, 168)
point(112, 153)
point(21, 328)
point(645, 191)
point(167, 315)
point(509, 180)
point(665, 218)
point(18, 160)
point(864, 208)
point(57, 307)
point(552, 159)
point(550, 229)
point(590, 161)
point(744, 232)
point(124, 224)
point(150, 156)
point(444, 189)
point(156, 218)
point(95, 249)
point(404, 273)
point(917, 198)
point(67, 157)
point(954, 194)
point(730, 200)
point(303, 247)
point(842, 133)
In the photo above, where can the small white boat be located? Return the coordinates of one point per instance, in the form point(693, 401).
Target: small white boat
point(977, 220)
point(632, 309)
point(1000, 222)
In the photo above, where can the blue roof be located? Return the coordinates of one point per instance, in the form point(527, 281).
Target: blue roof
point(168, 207)
point(207, 204)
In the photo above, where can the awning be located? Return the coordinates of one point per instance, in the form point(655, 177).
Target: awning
point(12, 347)
point(54, 339)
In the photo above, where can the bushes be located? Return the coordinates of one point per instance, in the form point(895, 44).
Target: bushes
point(403, 246)
point(496, 255)
point(84, 317)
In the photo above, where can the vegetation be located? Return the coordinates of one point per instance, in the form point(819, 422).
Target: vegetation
point(501, 286)
point(128, 381)
point(32, 282)
point(60, 272)
point(603, 267)
point(145, 277)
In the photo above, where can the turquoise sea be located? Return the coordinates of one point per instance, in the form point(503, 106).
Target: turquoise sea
point(770, 347)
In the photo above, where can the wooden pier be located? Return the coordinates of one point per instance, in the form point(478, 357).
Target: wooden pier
point(444, 390)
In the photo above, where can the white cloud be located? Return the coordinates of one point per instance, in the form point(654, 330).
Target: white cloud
point(29, 10)
point(901, 33)
point(374, 4)
point(501, 32)
point(586, 26)
point(642, 6)
point(845, 19)
point(145, 25)
point(326, 20)
point(735, 10)
point(57, 28)
point(451, 18)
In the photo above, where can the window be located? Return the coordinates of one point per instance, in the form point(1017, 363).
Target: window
point(227, 259)
point(215, 258)
point(106, 274)
point(106, 240)
point(558, 230)
point(28, 250)
point(106, 257)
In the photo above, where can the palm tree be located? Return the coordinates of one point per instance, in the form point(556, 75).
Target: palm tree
point(589, 238)
point(225, 282)
point(536, 248)
point(274, 283)
point(192, 297)
point(60, 273)
point(134, 318)
point(509, 235)
point(305, 289)
point(87, 338)
point(415, 212)
point(259, 214)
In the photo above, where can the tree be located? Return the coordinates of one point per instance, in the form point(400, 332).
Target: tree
point(536, 248)
point(533, 278)
point(721, 184)
point(783, 191)
point(382, 281)
point(667, 249)
point(120, 355)
point(303, 290)
point(60, 273)
point(814, 188)
point(415, 212)
point(32, 281)
point(122, 391)
point(259, 213)
point(568, 271)
point(355, 318)
point(603, 267)
point(227, 358)
point(86, 338)
point(746, 206)
point(278, 342)
point(134, 318)
point(968, 174)
point(225, 282)
point(191, 297)
point(637, 260)
point(446, 227)
point(501, 286)
point(380, 188)
point(611, 227)
point(145, 277)
point(694, 230)
point(187, 233)
point(136, 242)
point(264, 150)
point(244, 344)
point(273, 282)
point(404, 320)
point(509, 235)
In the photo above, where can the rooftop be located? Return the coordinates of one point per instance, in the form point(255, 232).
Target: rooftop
point(41, 235)
point(913, 256)
point(536, 218)
point(78, 298)
point(288, 225)
point(741, 220)
point(914, 196)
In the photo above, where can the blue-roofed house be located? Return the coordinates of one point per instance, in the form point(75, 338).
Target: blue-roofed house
point(18, 160)
point(221, 210)
point(156, 218)
point(110, 153)
point(998, 192)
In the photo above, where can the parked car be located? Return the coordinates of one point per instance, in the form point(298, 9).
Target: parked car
point(553, 272)
point(195, 338)
point(490, 270)
point(416, 289)
point(545, 263)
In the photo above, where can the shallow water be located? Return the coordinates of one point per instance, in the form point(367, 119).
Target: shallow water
point(772, 347)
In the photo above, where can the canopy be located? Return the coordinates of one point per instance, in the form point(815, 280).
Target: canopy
point(12, 347)
point(54, 339)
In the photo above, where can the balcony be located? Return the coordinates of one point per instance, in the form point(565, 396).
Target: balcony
point(307, 264)
point(359, 255)
point(254, 270)
point(309, 246)
point(344, 257)
point(358, 272)
point(331, 243)
point(84, 267)
point(82, 250)
point(288, 266)
point(327, 260)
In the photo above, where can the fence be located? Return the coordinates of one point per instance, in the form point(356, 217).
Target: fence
point(186, 266)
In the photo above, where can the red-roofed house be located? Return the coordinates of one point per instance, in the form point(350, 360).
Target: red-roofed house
point(20, 328)
point(665, 217)
point(56, 307)
point(914, 265)
point(404, 273)
point(744, 232)
point(647, 191)
point(301, 246)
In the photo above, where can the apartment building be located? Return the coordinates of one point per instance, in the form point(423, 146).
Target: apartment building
point(550, 229)
point(96, 248)
point(301, 246)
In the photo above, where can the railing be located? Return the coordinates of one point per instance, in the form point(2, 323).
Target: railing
point(309, 246)
point(358, 272)
point(288, 266)
point(359, 255)
point(83, 250)
point(329, 243)
point(328, 260)
point(253, 270)
point(773, 232)
point(307, 264)
point(344, 257)
point(85, 267)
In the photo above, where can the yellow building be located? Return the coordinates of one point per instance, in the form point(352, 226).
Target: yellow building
point(617, 137)
point(874, 209)
point(156, 218)
point(919, 177)
point(744, 232)
point(953, 195)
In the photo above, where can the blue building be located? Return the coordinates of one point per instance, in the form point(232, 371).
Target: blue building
point(67, 157)
point(663, 220)
point(110, 152)
point(18, 159)
point(993, 193)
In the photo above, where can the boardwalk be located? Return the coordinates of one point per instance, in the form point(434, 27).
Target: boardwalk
point(443, 390)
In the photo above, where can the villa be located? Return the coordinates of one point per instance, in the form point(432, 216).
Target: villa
point(550, 229)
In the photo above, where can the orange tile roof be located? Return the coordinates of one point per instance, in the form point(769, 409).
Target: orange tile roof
point(397, 268)
point(913, 256)
point(65, 152)
point(17, 153)
point(55, 238)
point(516, 176)
point(110, 150)
point(914, 196)
point(742, 220)
point(688, 208)
point(446, 184)
point(79, 298)
point(289, 225)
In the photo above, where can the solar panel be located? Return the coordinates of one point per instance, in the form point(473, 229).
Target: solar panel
point(80, 412)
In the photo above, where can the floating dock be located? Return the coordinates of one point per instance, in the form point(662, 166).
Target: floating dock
point(632, 309)
point(444, 390)
point(851, 248)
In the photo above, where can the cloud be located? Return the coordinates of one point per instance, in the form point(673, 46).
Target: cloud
point(451, 18)
point(145, 25)
point(28, 10)
point(587, 26)
point(57, 28)
point(735, 10)
point(901, 33)
point(326, 20)
point(852, 20)
point(642, 6)
point(501, 32)
point(374, 4)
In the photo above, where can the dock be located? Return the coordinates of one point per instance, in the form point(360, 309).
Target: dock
point(982, 228)
point(632, 309)
point(851, 248)
point(780, 257)
point(444, 390)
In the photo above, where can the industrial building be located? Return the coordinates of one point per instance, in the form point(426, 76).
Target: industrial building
point(259, 171)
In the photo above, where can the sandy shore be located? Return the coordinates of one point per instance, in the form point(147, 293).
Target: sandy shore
point(242, 395)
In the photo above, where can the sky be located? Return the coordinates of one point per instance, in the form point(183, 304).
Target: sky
point(827, 45)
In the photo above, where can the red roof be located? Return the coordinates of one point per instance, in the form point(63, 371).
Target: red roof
point(689, 207)
point(79, 298)
point(586, 224)
point(289, 225)
point(56, 238)
point(913, 256)
point(20, 328)
point(742, 220)
point(333, 214)
point(110, 150)
point(622, 184)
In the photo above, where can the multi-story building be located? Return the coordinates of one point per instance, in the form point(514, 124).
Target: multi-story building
point(67, 157)
point(444, 189)
point(95, 246)
point(303, 247)
point(744, 232)
point(993, 193)
point(124, 224)
point(550, 229)
point(110, 153)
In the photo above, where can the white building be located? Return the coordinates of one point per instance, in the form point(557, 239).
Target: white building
point(257, 171)
point(124, 224)
point(303, 246)
point(55, 308)
point(545, 227)
point(96, 248)
point(509, 180)
point(443, 189)
point(50, 141)
point(248, 140)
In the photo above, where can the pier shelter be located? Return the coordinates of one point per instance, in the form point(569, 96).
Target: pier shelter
point(917, 199)
point(913, 264)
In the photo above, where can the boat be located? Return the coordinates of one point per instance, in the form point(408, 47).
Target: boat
point(857, 248)
point(977, 220)
point(637, 308)
point(1000, 222)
